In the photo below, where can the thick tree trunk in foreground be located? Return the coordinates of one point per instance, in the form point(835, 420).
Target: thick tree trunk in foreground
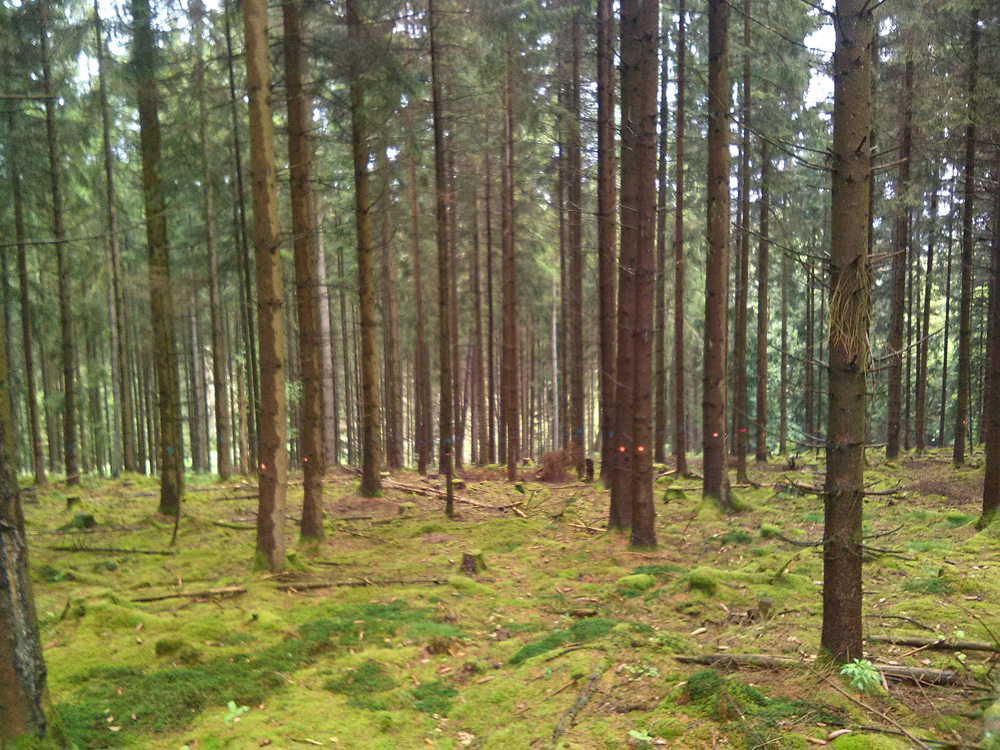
point(306, 284)
point(850, 311)
point(763, 269)
point(371, 460)
point(446, 447)
point(714, 396)
point(965, 312)
point(271, 428)
point(161, 300)
point(680, 401)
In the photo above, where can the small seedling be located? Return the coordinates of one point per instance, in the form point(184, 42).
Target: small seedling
point(863, 675)
point(234, 713)
point(640, 735)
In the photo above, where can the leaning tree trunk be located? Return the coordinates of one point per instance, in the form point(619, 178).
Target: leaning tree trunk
point(306, 284)
point(371, 477)
point(680, 402)
point(714, 397)
point(271, 427)
point(161, 299)
point(965, 312)
point(850, 311)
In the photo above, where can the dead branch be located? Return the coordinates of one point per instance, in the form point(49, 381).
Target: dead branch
point(364, 582)
point(224, 591)
point(94, 530)
point(905, 619)
point(937, 644)
point(581, 701)
point(114, 549)
point(931, 676)
point(875, 711)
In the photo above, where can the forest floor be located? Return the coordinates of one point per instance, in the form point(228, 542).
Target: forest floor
point(374, 638)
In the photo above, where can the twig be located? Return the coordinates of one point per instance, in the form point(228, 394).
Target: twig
point(553, 693)
point(168, 553)
point(875, 711)
point(905, 619)
point(581, 700)
point(95, 530)
point(362, 582)
point(237, 526)
point(194, 594)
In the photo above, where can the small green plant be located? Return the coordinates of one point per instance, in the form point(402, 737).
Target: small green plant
point(640, 735)
point(863, 674)
point(234, 713)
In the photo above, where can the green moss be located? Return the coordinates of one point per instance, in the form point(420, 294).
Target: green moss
point(768, 531)
point(734, 536)
point(660, 571)
point(862, 741)
point(582, 631)
point(434, 697)
point(641, 582)
point(954, 520)
point(703, 579)
point(927, 586)
point(169, 646)
point(361, 684)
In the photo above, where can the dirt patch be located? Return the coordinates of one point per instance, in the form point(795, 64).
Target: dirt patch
point(954, 492)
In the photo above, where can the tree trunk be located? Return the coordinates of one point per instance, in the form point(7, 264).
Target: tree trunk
point(714, 397)
point(991, 481)
point(65, 310)
point(479, 389)
point(272, 425)
point(491, 398)
point(606, 231)
point(965, 314)
point(680, 401)
point(371, 478)
point(444, 288)
point(900, 248)
point(326, 362)
point(307, 285)
point(421, 367)
point(921, 407)
point(783, 385)
point(161, 299)
point(944, 344)
point(575, 251)
point(37, 446)
point(509, 278)
point(810, 426)
point(643, 118)
point(740, 399)
point(194, 400)
point(660, 316)
point(349, 402)
point(390, 336)
point(763, 270)
point(850, 311)
point(456, 360)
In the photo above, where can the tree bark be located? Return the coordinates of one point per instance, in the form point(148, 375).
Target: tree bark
point(307, 285)
point(326, 361)
point(161, 299)
point(444, 288)
point(479, 437)
point(349, 402)
point(272, 425)
point(921, 407)
point(456, 360)
point(763, 269)
point(660, 316)
point(850, 311)
point(491, 399)
point(944, 344)
point(509, 278)
point(680, 401)
point(575, 251)
point(740, 399)
point(714, 397)
point(390, 335)
point(421, 368)
point(606, 230)
point(783, 385)
point(991, 480)
point(965, 313)
point(65, 309)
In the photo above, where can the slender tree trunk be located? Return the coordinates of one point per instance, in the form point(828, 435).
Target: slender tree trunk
point(901, 228)
point(65, 310)
point(810, 386)
point(740, 399)
point(161, 299)
point(850, 310)
point(349, 402)
point(326, 363)
point(660, 316)
point(965, 314)
point(924, 347)
point(272, 424)
point(509, 278)
point(643, 116)
point(307, 285)
point(456, 360)
point(195, 416)
point(444, 288)
point(680, 401)
point(479, 388)
point(575, 252)
point(606, 230)
point(714, 397)
point(991, 481)
point(390, 337)
point(944, 344)
point(421, 368)
point(371, 478)
point(491, 399)
point(763, 319)
point(783, 385)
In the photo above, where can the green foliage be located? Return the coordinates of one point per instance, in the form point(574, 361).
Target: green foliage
point(640, 582)
point(703, 579)
point(933, 585)
point(734, 536)
point(233, 713)
point(640, 735)
point(660, 571)
point(767, 531)
point(434, 697)
point(863, 675)
point(80, 521)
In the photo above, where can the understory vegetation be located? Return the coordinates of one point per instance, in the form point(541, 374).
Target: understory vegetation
point(375, 638)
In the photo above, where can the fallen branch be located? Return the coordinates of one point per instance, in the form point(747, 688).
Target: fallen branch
point(938, 644)
point(114, 549)
point(194, 594)
point(94, 530)
point(436, 492)
point(581, 701)
point(237, 526)
point(363, 582)
point(875, 711)
point(905, 619)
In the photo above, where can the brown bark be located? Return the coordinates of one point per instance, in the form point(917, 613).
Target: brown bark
point(371, 478)
point(480, 437)
point(850, 311)
point(646, 34)
point(660, 316)
point(307, 285)
point(680, 401)
point(272, 451)
point(991, 479)
point(326, 358)
point(714, 397)
point(349, 402)
point(509, 363)
point(161, 300)
point(606, 231)
point(444, 288)
point(740, 399)
point(965, 311)
point(920, 427)
point(491, 397)
point(456, 367)
point(390, 335)
point(65, 309)
point(421, 366)
point(900, 249)
point(763, 269)
point(575, 252)
point(783, 384)
point(944, 344)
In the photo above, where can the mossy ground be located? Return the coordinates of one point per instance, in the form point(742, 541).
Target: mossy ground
point(497, 660)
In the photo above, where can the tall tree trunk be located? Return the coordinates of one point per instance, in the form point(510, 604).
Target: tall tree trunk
point(491, 399)
point(349, 402)
point(740, 399)
point(272, 424)
point(195, 416)
point(307, 285)
point(900, 249)
point(763, 269)
point(643, 119)
point(326, 363)
point(65, 310)
point(810, 385)
point(37, 446)
point(714, 397)
point(479, 388)
point(456, 360)
point(606, 229)
point(944, 344)
point(390, 336)
point(965, 314)
point(161, 299)
point(850, 311)
point(444, 288)
point(575, 251)
point(509, 276)
point(783, 385)
point(253, 371)
point(680, 401)
point(421, 367)
point(371, 477)
point(660, 316)
point(991, 480)
point(921, 406)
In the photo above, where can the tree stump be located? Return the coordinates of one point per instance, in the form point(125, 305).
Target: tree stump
point(473, 562)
